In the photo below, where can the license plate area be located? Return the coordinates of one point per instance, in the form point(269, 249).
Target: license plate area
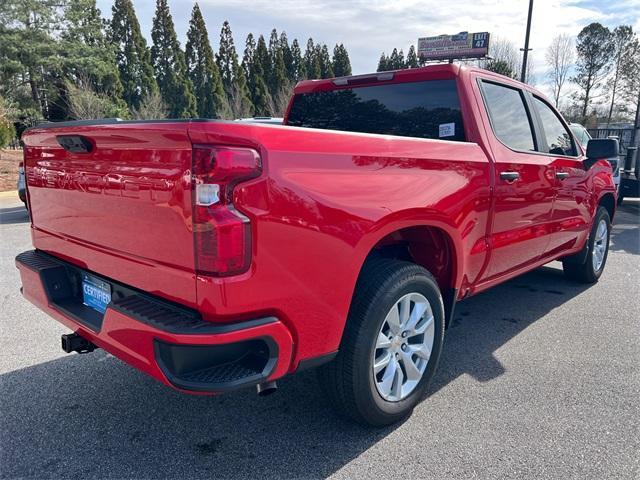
point(96, 293)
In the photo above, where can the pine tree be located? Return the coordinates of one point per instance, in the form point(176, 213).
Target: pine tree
point(29, 54)
point(233, 76)
point(249, 55)
point(278, 73)
point(262, 59)
point(132, 56)
point(412, 58)
point(341, 62)
point(170, 67)
point(202, 69)
point(241, 104)
point(400, 62)
point(326, 69)
point(258, 80)
point(383, 63)
point(595, 49)
point(297, 63)
point(87, 54)
point(227, 58)
point(394, 60)
point(312, 61)
point(287, 57)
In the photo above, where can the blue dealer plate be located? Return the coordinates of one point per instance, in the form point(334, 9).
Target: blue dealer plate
point(96, 293)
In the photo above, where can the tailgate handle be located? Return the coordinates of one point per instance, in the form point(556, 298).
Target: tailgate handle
point(75, 143)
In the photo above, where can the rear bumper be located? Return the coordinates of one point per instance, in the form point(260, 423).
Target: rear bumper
point(166, 341)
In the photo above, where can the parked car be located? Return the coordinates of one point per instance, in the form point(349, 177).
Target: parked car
point(22, 191)
point(216, 255)
point(583, 136)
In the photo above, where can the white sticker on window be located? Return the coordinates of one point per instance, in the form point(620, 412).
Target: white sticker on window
point(447, 130)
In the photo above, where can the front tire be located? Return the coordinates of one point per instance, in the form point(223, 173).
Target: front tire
point(391, 344)
point(591, 269)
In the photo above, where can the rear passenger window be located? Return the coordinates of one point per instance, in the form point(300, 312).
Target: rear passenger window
point(509, 118)
point(558, 137)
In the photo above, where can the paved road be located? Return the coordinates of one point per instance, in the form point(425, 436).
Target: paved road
point(540, 377)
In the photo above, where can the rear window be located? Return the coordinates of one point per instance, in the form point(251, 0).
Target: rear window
point(428, 109)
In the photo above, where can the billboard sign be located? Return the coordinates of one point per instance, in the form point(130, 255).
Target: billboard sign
point(448, 47)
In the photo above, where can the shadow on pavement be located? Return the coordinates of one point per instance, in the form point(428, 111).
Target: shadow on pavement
point(11, 215)
point(625, 235)
point(92, 416)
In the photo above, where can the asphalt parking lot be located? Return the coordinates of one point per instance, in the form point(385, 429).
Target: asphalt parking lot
point(540, 377)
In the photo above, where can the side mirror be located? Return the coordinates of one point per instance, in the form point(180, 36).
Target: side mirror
point(601, 148)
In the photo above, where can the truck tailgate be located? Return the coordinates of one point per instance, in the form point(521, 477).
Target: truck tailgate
point(115, 198)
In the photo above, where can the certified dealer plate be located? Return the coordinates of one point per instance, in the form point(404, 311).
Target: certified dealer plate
point(96, 293)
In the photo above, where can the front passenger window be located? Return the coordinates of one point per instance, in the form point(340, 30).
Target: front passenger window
point(559, 140)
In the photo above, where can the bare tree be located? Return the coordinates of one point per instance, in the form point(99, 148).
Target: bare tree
point(84, 103)
point(559, 58)
point(505, 52)
point(280, 101)
point(152, 107)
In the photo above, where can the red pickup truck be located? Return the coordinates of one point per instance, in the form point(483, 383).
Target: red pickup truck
point(214, 255)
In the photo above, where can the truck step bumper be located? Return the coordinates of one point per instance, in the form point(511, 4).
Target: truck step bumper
point(167, 341)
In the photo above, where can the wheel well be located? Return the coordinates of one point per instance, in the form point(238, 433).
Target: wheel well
point(429, 247)
point(608, 202)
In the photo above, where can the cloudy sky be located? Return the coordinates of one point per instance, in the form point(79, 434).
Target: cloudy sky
point(368, 27)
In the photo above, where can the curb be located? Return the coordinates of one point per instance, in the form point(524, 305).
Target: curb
point(9, 194)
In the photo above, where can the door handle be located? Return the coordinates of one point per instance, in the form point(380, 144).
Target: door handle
point(562, 175)
point(509, 177)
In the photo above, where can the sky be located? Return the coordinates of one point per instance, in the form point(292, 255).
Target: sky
point(367, 28)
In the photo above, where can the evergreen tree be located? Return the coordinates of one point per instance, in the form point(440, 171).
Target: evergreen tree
point(341, 62)
point(312, 61)
point(227, 58)
point(262, 59)
point(249, 55)
point(595, 49)
point(297, 63)
point(326, 69)
point(260, 96)
point(400, 62)
point(395, 60)
point(287, 57)
point(29, 54)
point(170, 66)
point(501, 67)
point(625, 42)
point(412, 58)
point(240, 98)
point(383, 63)
point(87, 55)
point(233, 76)
point(278, 73)
point(258, 80)
point(132, 56)
point(202, 69)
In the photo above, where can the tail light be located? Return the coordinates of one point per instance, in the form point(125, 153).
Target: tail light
point(222, 235)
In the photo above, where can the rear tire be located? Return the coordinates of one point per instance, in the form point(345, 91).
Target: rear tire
point(590, 270)
point(353, 386)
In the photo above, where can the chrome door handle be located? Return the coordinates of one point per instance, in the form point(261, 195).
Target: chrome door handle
point(509, 177)
point(562, 175)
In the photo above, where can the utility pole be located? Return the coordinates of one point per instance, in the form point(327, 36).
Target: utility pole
point(525, 56)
